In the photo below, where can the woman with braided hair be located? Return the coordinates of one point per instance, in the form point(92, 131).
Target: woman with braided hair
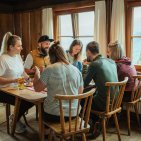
point(59, 78)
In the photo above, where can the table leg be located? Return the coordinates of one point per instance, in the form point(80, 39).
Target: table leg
point(40, 122)
point(16, 112)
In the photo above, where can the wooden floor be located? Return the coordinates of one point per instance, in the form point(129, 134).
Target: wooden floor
point(31, 135)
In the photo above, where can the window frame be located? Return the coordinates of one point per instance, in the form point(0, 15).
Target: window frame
point(77, 7)
point(129, 5)
point(74, 35)
point(129, 18)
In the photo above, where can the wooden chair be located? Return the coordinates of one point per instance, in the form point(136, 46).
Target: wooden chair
point(8, 113)
point(73, 126)
point(113, 104)
point(135, 99)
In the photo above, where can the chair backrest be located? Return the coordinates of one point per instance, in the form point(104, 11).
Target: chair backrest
point(78, 122)
point(136, 93)
point(115, 91)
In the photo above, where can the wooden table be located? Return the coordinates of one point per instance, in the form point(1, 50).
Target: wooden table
point(36, 98)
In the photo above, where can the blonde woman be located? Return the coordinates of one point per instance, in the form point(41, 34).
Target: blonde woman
point(11, 68)
point(125, 68)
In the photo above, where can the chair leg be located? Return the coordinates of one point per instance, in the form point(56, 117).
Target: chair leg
point(72, 137)
point(137, 114)
point(104, 128)
point(128, 119)
point(7, 116)
point(83, 137)
point(50, 136)
point(61, 139)
point(117, 126)
point(37, 113)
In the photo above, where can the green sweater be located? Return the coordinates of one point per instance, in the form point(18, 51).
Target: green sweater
point(101, 70)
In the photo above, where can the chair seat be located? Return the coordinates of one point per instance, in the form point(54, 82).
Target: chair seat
point(56, 126)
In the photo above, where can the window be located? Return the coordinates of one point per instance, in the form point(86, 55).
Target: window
point(65, 30)
point(136, 35)
point(83, 30)
point(86, 28)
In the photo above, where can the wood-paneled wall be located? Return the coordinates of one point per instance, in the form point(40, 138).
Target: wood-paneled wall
point(27, 25)
point(6, 24)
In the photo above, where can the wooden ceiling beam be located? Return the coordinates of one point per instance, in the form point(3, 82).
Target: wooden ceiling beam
point(44, 3)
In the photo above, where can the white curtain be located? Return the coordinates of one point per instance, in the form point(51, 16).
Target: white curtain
point(75, 25)
point(118, 23)
point(47, 22)
point(100, 26)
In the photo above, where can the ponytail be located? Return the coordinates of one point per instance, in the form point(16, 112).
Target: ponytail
point(4, 43)
point(8, 40)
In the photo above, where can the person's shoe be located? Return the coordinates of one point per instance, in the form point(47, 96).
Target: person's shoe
point(20, 127)
point(95, 130)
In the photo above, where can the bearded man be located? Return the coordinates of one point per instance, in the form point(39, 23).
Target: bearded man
point(38, 57)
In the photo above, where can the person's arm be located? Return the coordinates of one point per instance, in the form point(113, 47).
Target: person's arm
point(26, 76)
point(85, 62)
point(89, 75)
point(3, 68)
point(80, 91)
point(37, 83)
point(4, 81)
point(28, 64)
point(80, 83)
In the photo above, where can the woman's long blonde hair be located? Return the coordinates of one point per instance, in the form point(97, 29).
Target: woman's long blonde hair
point(116, 50)
point(4, 43)
point(8, 40)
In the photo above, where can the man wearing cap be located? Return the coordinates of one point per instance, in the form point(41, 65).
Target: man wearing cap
point(39, 57)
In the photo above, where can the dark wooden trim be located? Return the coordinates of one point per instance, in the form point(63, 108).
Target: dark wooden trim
point(55, 26)
point(128, 20)
point(128, 23)
point(73, 6)
point(5, 8)
point(133, 3)
point(30, 5)
point(108, 18)
point(138, 68)
point(69, 11)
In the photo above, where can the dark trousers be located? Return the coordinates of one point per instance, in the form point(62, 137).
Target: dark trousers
point(127, 96)
point(93, 117)
point(9, 99)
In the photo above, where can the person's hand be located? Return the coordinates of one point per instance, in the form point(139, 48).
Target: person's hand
point(42, 69)
point(32, 71)
point(37, 73)
point(15, 80)
point(85, 62)
point(21, 80)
